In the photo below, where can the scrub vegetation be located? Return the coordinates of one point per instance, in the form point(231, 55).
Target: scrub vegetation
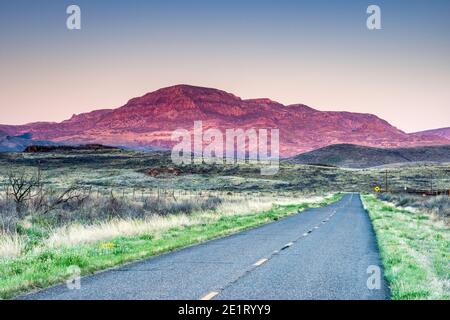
point(97, 210)
point(45, 232)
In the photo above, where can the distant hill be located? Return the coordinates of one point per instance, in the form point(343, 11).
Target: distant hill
point(355, 156)
point(443, 133)
point(61, 149)
point(20, 142)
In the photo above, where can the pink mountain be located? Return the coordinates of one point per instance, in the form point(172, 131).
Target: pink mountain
point(149, 121)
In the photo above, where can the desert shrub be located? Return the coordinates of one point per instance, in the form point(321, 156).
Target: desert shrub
point(385, 196)
point(439, 205)
point(8, 216)
point(184, 206)
point(154, 205)
point(211, 203)
point(162, 206)
point(114, 207)
point(403, 202)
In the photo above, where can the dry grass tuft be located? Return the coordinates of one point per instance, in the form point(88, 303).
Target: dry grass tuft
point(11, 245)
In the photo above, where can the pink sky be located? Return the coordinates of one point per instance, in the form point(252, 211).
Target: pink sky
point(405, 98)
point(319, 53)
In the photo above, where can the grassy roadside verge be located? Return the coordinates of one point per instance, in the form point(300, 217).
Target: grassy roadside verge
point(415, 250)
point(51, 266)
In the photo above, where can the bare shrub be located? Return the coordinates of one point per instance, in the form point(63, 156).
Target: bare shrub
point(69, 199)
point(21, 186)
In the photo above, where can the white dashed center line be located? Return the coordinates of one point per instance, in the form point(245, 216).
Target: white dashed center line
point(210, 295)
point(260, 262)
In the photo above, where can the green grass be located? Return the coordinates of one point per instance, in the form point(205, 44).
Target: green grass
point(415, 251)
point(49, 267)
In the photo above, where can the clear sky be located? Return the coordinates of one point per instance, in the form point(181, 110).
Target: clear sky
point(315, 52)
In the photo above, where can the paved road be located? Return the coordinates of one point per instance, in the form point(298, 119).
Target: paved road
point(321, 253)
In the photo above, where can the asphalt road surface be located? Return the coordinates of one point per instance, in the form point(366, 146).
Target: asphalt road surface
point(324, 253)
